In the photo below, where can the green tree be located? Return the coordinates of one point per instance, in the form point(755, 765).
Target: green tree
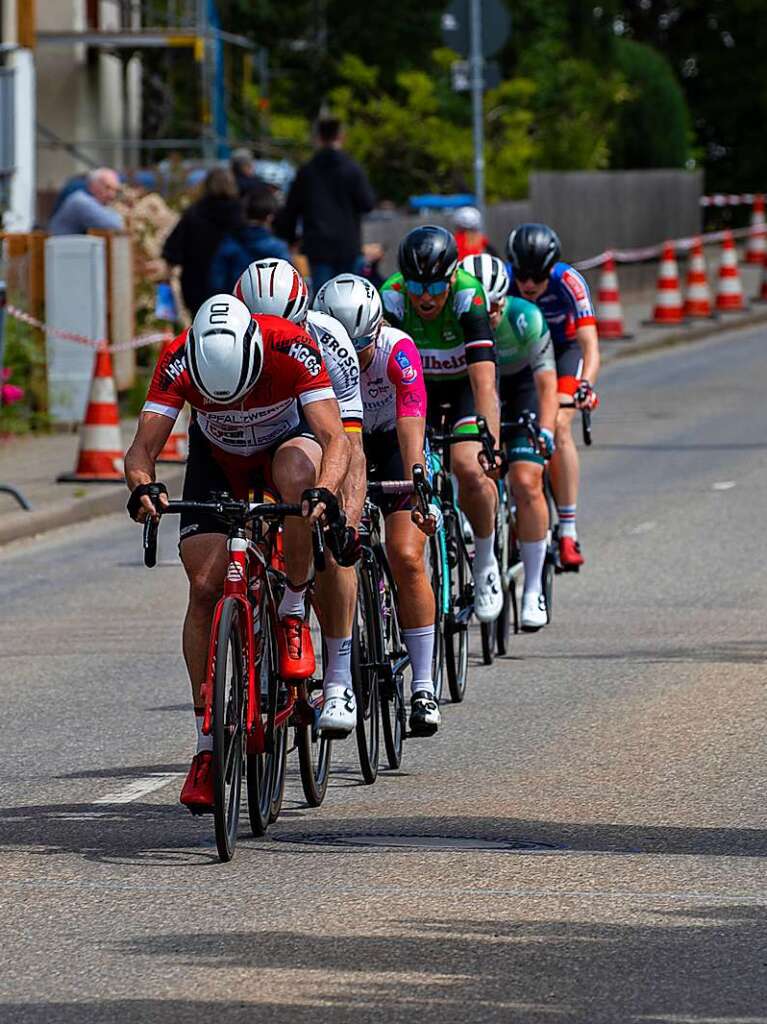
point(653, 127)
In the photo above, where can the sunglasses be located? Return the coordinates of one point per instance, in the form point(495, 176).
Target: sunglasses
point(535, 278)
point(435, 288)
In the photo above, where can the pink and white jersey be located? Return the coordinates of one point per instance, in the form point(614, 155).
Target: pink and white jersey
point(393, 384)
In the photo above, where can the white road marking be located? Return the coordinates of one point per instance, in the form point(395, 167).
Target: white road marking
point(724, 485)
point(643, 527)
point(138, 788)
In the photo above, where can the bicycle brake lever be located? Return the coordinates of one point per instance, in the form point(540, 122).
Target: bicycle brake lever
point(150, 542)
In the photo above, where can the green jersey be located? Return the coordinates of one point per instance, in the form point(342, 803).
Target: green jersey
point(459, 336)
point(522, 339)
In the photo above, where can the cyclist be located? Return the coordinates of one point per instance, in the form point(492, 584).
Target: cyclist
point(263, 414)
point(274, 286)
point(563, 297)
point(528, 381)
point(394, 398)
point(444, 310)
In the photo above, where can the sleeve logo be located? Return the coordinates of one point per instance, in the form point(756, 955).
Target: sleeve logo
point(575, 285)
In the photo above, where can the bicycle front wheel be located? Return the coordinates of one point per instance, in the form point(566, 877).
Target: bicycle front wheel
point(393, 690)
point(228, 728)
point(366, 649)
point(435, 570)
point(457, 621)
point(266, 773)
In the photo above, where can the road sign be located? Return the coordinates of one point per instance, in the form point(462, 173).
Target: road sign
point(496, 25)
point(460, 75)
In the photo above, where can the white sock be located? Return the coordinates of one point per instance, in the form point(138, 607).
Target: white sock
point(566, 515)
point(420, 646)
point(533, 554)
point(484, 554)
point(203, 742)
point(338, 671)
point(293, 602)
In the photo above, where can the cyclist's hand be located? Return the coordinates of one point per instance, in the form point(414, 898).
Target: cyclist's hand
point(345, 544)
point(546, 444)
point(430, 523)
point(495, 470)
point(144, 500)
point(585, 396)
point(316, 502)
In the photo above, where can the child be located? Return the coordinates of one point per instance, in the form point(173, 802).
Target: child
point(253, 241)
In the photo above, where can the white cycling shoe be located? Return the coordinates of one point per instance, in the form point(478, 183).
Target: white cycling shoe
point(533, 612)
point(424, 713)
point(339, 714)
point(488, 593)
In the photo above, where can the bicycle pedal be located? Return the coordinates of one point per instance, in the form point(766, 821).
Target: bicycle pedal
point(198, 810)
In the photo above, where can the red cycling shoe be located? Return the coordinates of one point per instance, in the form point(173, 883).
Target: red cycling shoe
point(570, 556)
point(294, 642)
point(197, 792)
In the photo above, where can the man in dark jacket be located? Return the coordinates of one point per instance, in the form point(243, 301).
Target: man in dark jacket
point(197, 235)
point(329, 195)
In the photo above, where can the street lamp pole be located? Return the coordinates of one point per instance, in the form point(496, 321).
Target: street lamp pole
point(477, 72)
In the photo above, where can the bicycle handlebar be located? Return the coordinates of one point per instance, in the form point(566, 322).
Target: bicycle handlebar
point(418, 486)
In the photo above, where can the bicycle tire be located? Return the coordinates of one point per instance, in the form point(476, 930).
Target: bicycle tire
point(393, 719)
point(435, 570)
point(487, 634)
point(228, 728)
point(457, 633)
point(547, 584)
point(508, 610)
point(266, 770)
point(366, 658)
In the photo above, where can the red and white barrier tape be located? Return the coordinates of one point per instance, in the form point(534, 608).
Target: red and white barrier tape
point(124, 346)
point(650, 252)
point(719, 199)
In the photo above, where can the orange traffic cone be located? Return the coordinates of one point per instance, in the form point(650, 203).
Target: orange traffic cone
point(756, 250)
point(668, 296)
point(729, 291)
point(698, 301)
point(609, 308)
point(100, 456)
point(176, 447)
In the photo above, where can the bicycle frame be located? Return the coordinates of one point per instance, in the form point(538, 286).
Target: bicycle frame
point(444, 493)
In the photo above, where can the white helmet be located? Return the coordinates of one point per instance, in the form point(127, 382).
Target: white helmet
point(355, 303)
point(468, 218)
point(491, 272)
point(275, 287)
point(224, 349)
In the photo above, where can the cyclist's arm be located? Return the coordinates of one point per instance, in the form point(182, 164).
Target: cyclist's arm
point(324, 421)
point(483, 386)
point(405, 372)
point(589, 342)
point(548, 398)
point(355, 484)
point(152, 432)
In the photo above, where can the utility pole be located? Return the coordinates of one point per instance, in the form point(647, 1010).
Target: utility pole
point(477, 75)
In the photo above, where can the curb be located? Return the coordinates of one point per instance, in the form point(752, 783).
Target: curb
point(684, 336)
point(21, 525)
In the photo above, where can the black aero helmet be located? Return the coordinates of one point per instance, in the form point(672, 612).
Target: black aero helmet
point(427, 254)
point(533, 249)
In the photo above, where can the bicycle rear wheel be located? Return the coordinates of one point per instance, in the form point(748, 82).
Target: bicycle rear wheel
point(393, 690)
point(314, 750)
point(228, 728)
point(504, 545)
point(366, 651)
point(456, 624)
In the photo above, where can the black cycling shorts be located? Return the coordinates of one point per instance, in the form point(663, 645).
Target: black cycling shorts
point(569, 357)
point(210, 469)
point(518, 394)
point(385, 463)
point(462, 414)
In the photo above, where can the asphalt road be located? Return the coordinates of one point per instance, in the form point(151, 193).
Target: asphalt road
point(584, 840)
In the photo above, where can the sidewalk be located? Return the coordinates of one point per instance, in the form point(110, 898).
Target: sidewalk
point(33, 463)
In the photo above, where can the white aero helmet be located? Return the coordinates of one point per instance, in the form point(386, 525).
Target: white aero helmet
point(491, 272)
point(224, 349)
point(275, 287)
point(468, 218)
point(355, 303)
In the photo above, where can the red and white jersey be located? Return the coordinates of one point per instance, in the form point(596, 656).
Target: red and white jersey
point(293, 372)
point(393, 384)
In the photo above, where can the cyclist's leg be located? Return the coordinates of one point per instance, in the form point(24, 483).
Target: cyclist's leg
point(295, 468)
point(565, 465)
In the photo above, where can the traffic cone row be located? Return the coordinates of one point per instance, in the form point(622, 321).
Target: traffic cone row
point(729, 290)
point(669, 307)
point(697, 303)
point(100, 452)
point(756, 250)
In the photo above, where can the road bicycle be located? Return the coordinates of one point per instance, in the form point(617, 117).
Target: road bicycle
point(379, 656)
point(248, 707)
point(457, 585)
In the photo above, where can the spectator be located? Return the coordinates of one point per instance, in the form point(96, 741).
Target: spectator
point(241, 163)
point(88, 209)
point(468, 233)
point(253, 241)
point(329, 195)
point(197, 235)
